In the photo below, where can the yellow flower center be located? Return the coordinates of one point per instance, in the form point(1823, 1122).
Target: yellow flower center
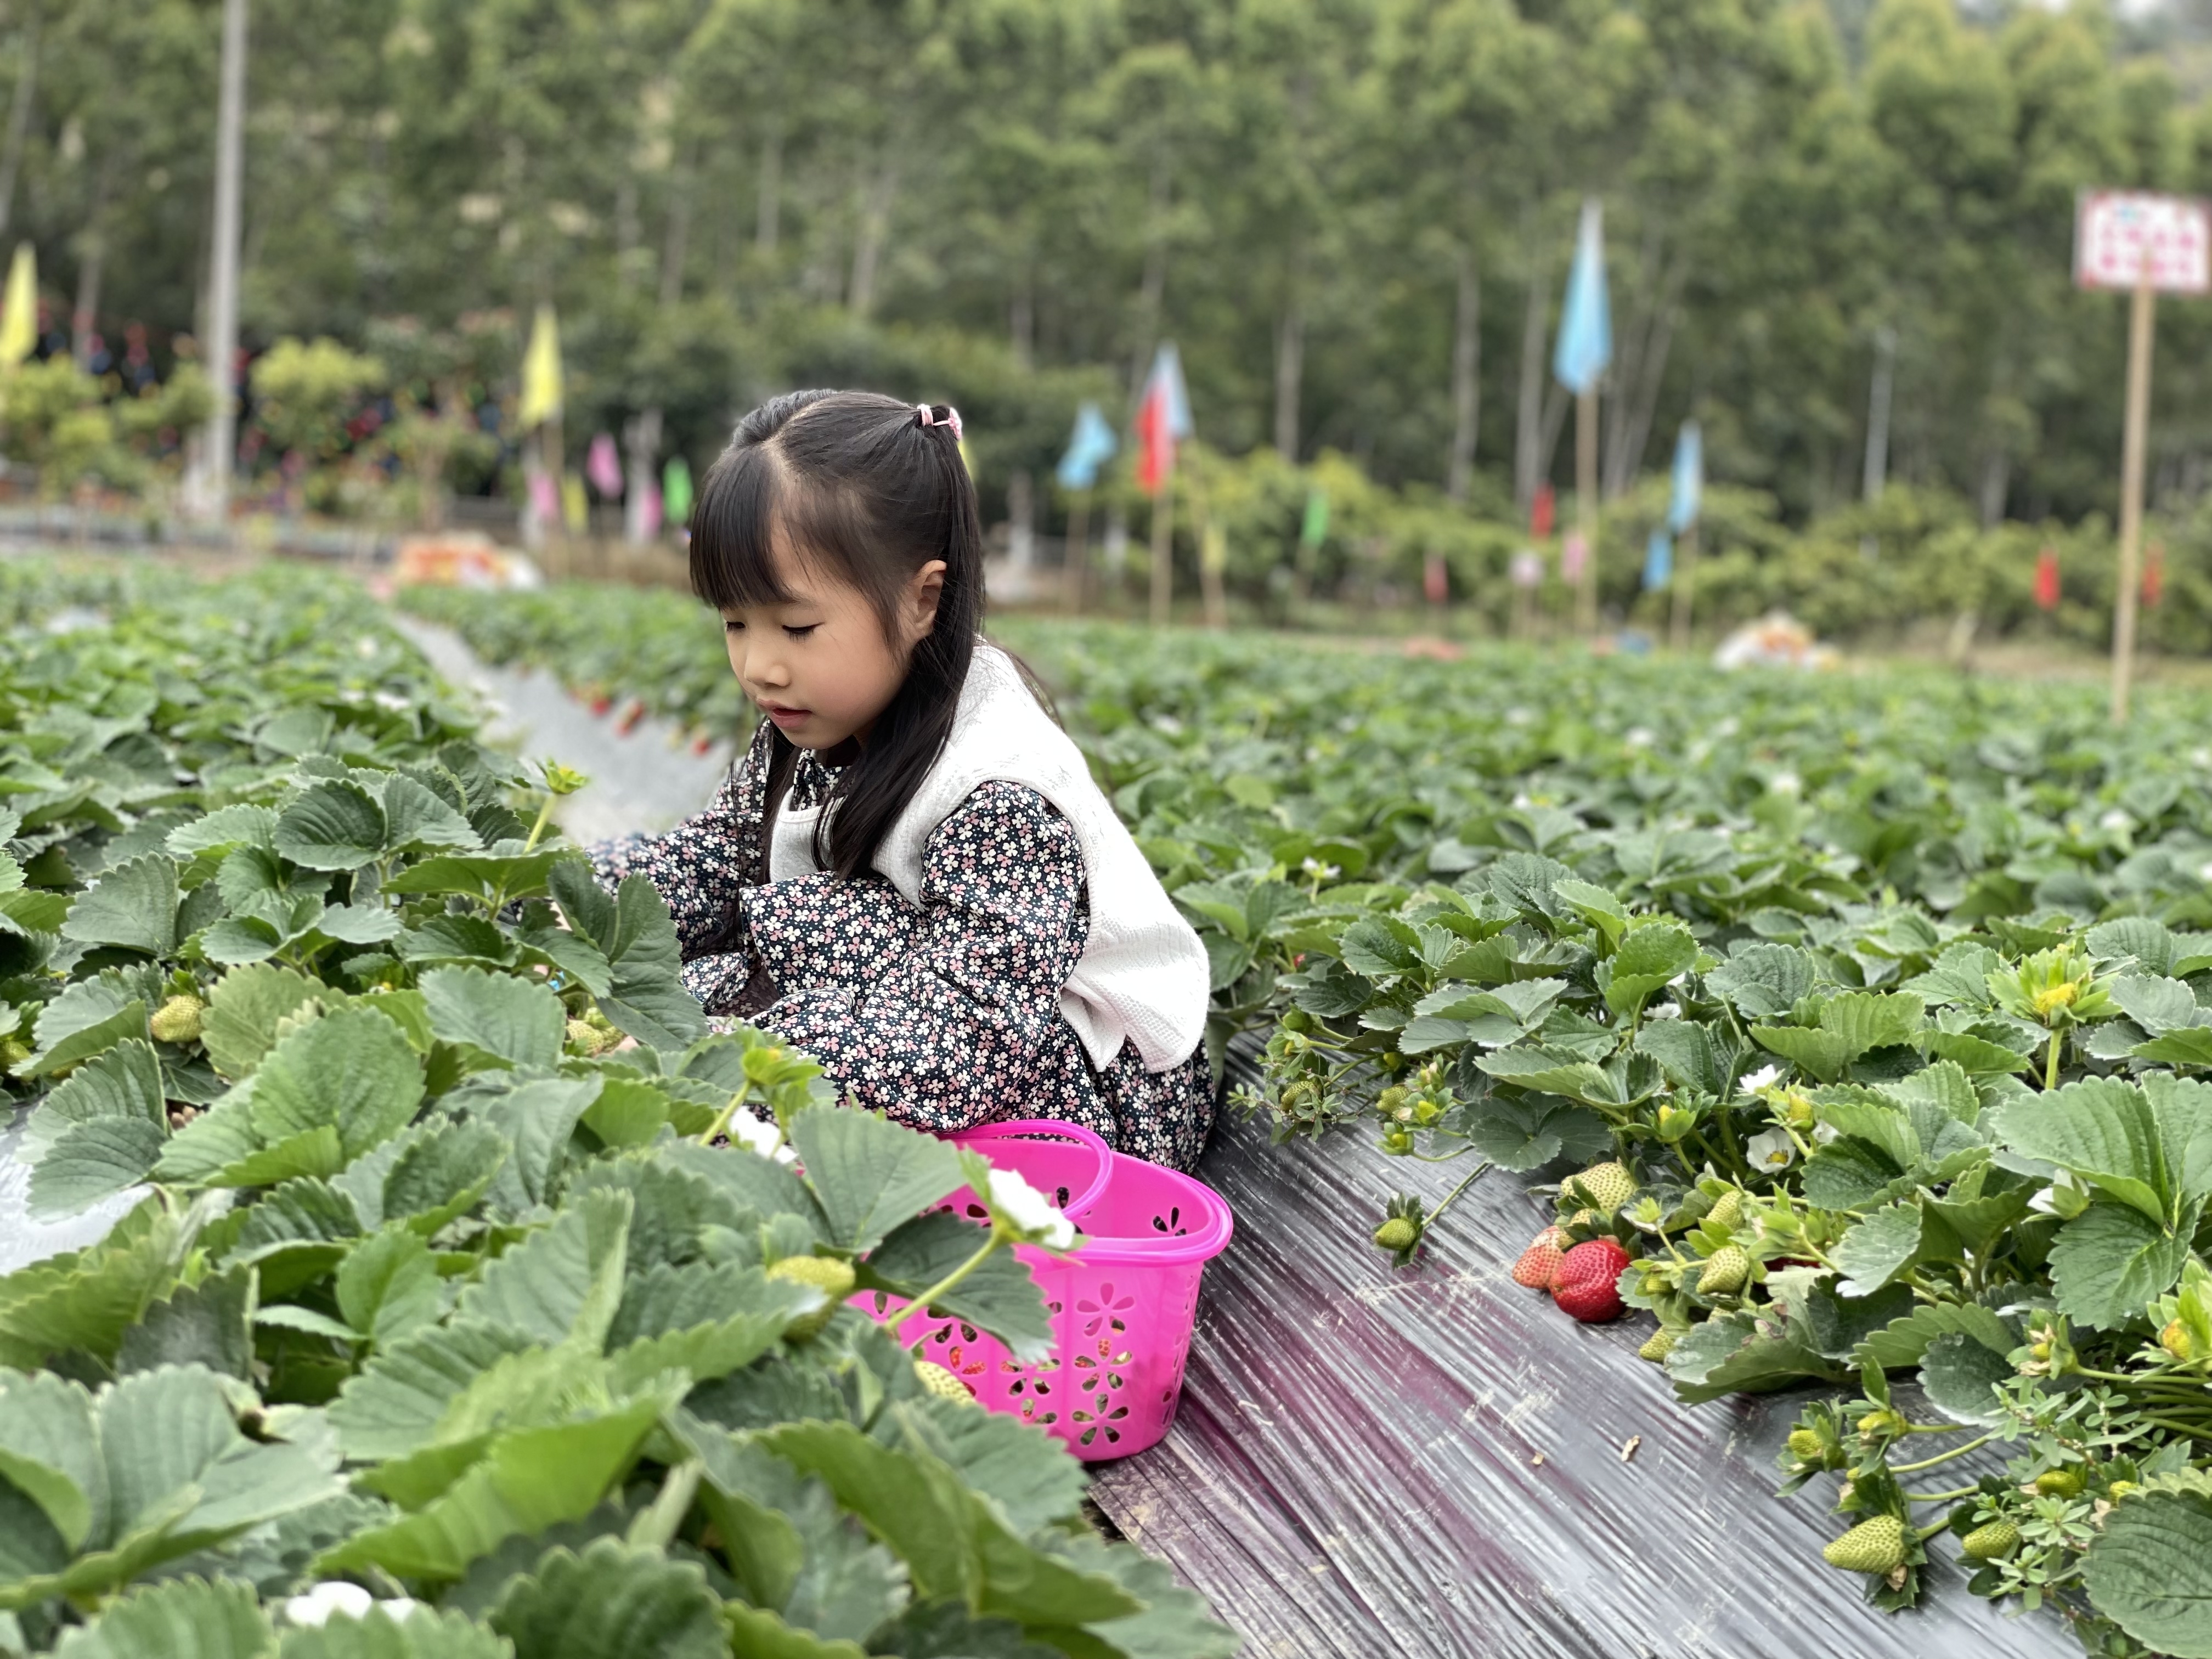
point(2056, 996)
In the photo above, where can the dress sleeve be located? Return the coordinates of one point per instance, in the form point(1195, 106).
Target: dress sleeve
point(702, 867)
point(953, 1019)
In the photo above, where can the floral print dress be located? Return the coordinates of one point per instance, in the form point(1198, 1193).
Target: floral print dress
point(946, 1015)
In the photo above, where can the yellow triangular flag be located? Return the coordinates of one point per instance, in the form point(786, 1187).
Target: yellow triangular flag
point(541, 372)
point(19, 314)
point(575, 506)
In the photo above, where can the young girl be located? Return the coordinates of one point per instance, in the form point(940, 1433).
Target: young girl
point(911, 875)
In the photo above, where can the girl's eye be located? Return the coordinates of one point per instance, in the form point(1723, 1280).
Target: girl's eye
point(729, 627)
point(801, 633)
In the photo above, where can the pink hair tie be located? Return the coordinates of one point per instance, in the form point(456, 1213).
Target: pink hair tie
point(952, 418)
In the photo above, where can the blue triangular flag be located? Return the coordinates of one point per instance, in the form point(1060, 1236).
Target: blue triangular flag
point(1658, 561)
point(1167, 377)
point(1585, 343)
point(1689, 478)
point(1089, 447)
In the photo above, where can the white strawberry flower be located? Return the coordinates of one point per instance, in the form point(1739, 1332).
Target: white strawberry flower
point(1765, 1078)
point(1770, 1148)
point(317, 1606)
point(1663, 1010)
point(764, 1138)
point(1027, 1212)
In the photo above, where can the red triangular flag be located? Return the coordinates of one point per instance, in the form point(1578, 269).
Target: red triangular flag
point(2046, 579)
point(1155, 439)
point(1540, 511)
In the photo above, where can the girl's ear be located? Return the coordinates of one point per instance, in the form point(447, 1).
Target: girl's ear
point(923, 590)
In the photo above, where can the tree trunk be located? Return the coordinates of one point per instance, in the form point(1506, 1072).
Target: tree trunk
point(676, 245)
point(641, 449)
point(91, 260)
point(1153, 290)
point(1877, 472)
point(1638, 403)
point(768, 205)
point(1536, 428)
point(1021, 321)
point(1021, 527)
point(19, 114)
point(1996, 485)
point(871, 234)
point(1466, 376)
point(1640, 369)
point(1289, 355)
point(1290, 369)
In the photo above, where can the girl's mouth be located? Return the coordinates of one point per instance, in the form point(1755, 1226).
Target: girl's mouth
point(785, 718)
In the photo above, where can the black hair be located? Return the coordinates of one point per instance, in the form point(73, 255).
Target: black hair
point(865, 486)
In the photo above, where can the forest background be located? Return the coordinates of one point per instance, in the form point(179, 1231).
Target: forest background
point(1353, 217)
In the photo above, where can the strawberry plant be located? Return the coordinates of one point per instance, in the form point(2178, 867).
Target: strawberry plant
point(476, 1299)
point(1875, 1011)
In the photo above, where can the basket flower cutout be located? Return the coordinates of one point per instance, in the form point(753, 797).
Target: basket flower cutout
point(1107, 1308)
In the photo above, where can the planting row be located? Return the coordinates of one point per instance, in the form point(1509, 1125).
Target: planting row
point(1870, 1019)
point(480, 1301)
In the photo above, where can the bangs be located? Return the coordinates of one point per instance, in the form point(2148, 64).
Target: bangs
point(750, 504)
point(733, 531)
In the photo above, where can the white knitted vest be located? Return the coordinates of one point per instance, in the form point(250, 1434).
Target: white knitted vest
point(1143, 976)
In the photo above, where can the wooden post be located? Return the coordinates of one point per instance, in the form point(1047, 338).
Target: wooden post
point(1586, 507)
point(2142, 317)
point(1163, 545)
point(1075, 574)
point(1686, 561)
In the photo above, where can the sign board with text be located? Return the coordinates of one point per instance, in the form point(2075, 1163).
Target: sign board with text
point(2116, 231)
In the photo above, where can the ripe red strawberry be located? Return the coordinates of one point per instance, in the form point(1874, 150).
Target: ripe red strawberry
point(601, 704)
point(1585, 1286)
point(1539, 1265)
point(630, 717)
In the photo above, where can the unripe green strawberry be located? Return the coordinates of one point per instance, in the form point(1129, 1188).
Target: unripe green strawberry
point(178, 1020)
point(1607, 1185)
point(13, 1052)
point(1657, 1345)
point(1396, 1234)
point(942, 1382)
point(2120, 1489)
point(1806, 1447)
point(833, 1278)
point(2065, 1481)
point(1875, 1546)
point(1991, 1542)
point(2174, 1339)
point(1728, 1212)
point(585, 1038)
point(1725, 1270)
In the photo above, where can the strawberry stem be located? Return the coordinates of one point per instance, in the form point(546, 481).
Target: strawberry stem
point(1944, 1457)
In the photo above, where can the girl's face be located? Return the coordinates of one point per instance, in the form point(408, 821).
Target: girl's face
point(818, 664)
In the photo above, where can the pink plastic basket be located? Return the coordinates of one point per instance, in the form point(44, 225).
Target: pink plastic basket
point(1121, 1307)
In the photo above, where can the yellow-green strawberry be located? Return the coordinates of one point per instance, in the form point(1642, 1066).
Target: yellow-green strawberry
point(942, 1382)
point(1725, 1270)
point(1396, 1234)
point(1806, 1446)
point(833, 1278)
point(2174, 1339)
point(2065, 1481)
point(1991, 1542)
point(1728, 1212)
point(178, 1020)
point(1657, 1345)
point(1875, 1546)
point(1607, 1185)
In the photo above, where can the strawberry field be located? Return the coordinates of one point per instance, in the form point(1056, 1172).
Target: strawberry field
point(1859, 1026)
point(439, 1325)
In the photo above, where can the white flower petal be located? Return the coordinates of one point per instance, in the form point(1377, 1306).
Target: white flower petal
point(317, 1606)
